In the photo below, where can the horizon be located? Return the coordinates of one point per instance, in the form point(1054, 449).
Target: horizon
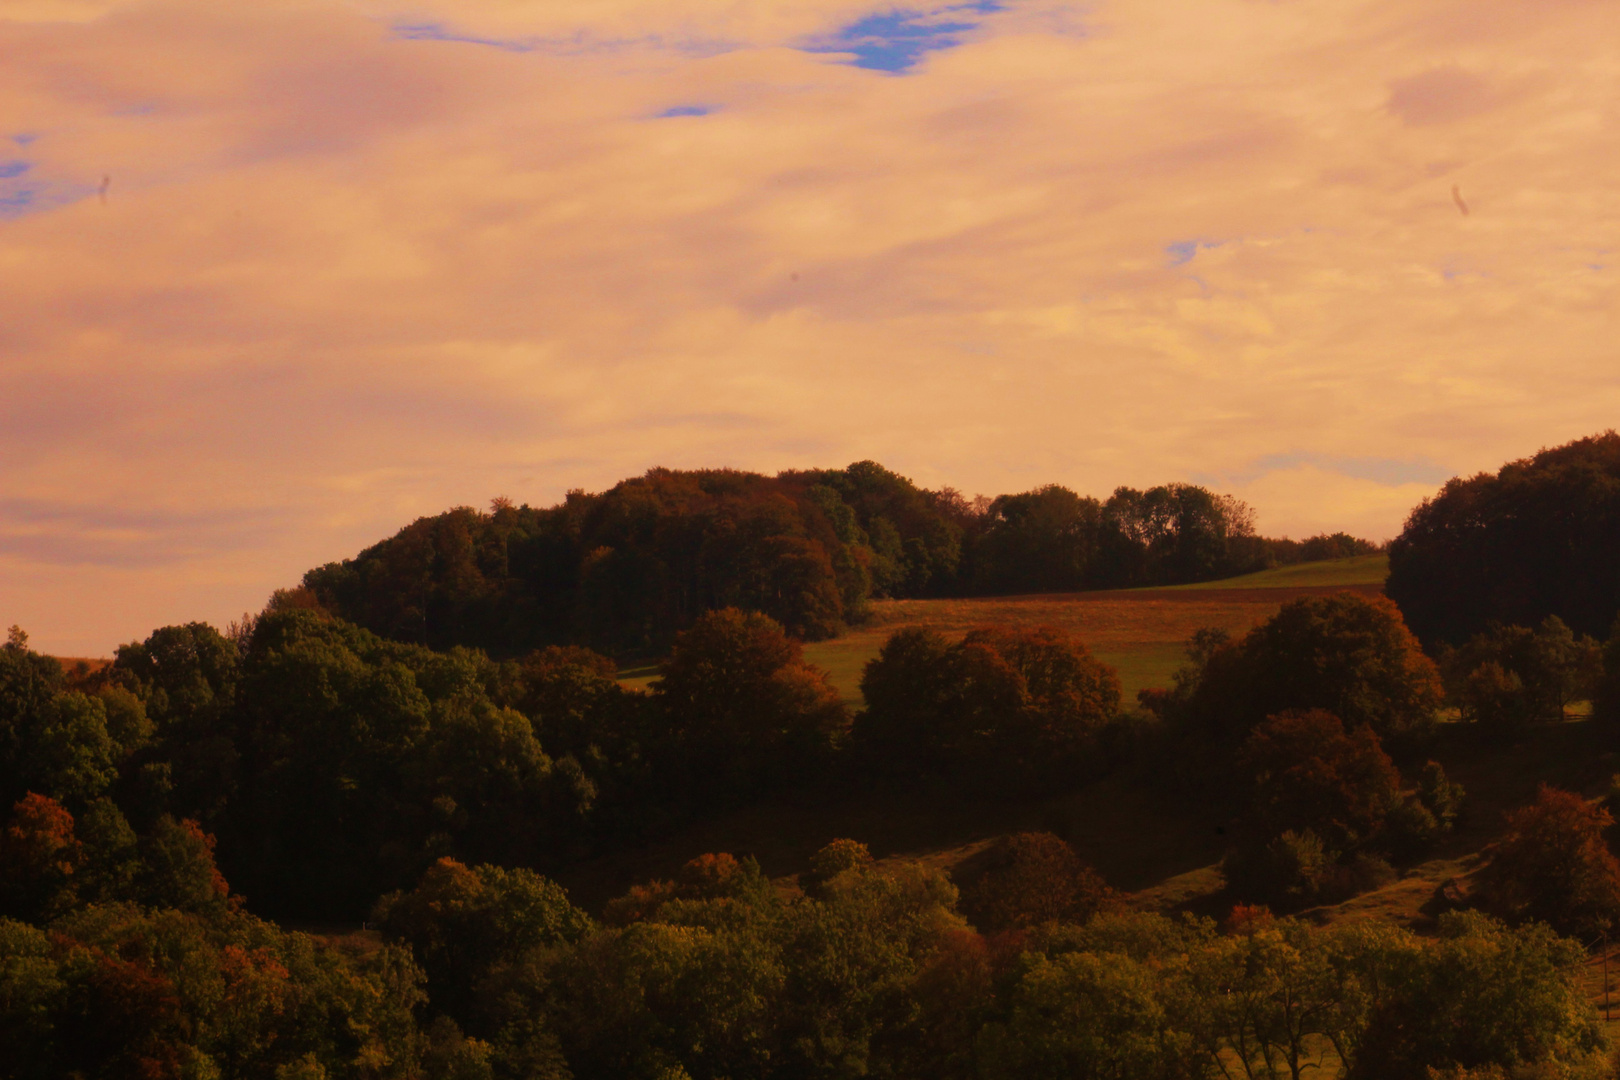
point(280, 280)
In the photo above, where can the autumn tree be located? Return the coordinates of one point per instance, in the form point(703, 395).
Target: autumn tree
point(1307, 772)
point(742, 706)
point(1347, 654)
point(1027, 879)
point(1000, 709)
point(1536, 538)
point(1553, 864)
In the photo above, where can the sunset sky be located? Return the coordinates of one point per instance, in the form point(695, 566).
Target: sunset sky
point(278, 277)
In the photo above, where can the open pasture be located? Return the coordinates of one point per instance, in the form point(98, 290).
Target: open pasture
point(1141, 632)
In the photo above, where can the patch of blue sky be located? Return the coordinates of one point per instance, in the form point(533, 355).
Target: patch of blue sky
point(685, 110)
point(895, 41)
point(20, 195)
point(1183, 252)
point(10, 169)
point(25, 138)
point(15, 202)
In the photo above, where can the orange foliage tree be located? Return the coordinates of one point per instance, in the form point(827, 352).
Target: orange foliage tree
point(1553, 864)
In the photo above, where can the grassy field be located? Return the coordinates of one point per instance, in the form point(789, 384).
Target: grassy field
point(1360, 570)
point(1141, 632)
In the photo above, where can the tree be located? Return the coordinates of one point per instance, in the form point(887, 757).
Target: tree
point(1001, 709)
point(1347, 654)
point(743, 707)
point(1482, 995)
point(461, 921)
point(1534, 539)
point(1086, 1017)
point(1266, 997)
point(1507, 678)
point(1032, 878)
point(39, 856)
point(1307, 773)
point(1553, 864)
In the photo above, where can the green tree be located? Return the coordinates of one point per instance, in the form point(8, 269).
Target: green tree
point(1088, 1017)
point(460, 922)
point(1482, 995)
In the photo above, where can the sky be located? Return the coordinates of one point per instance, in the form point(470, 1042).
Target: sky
point(277, 278)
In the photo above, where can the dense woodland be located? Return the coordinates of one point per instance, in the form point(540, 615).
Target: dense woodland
point(624, 570)
point(309, 768)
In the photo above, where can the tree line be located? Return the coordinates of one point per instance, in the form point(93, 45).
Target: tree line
point(317, 767)
point(626, 569)
point(1536, 538)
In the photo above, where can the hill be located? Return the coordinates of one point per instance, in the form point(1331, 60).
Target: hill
point(626, 569)
point(1141, 632)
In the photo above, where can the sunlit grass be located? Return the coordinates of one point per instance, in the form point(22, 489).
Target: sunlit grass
point(1359, 570)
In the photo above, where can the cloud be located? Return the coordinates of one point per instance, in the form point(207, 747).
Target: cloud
point(1308, 500)
point(345, 276)
point(1390, 472)
point(1440, 95)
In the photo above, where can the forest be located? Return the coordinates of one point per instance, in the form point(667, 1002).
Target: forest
point(326, 841)
point(625, 570)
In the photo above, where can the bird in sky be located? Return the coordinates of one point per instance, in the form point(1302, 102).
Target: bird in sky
point(1456, 197)
point(106, 182)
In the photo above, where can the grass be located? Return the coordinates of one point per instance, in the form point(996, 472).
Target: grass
point(1357, 570)
point(1141, 632)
